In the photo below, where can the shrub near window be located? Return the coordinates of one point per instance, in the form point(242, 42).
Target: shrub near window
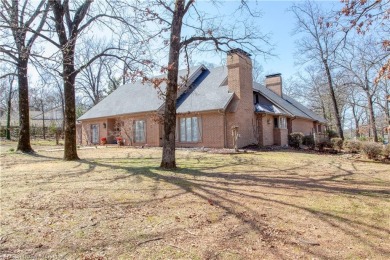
point(295, 139)
point(352, 146)
point(331, 133)
point(308, 140)
point(371, 150)
point(324, 144)
point(337, 143)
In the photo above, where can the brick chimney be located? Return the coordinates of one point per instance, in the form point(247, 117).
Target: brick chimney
point(241, 110)
point(274, 83)
point(240, 80)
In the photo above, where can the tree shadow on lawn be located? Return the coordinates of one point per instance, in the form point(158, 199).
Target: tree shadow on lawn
point(229, 191)
point(208, 186)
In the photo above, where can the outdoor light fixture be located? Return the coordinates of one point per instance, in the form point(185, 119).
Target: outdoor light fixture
point(104, 125)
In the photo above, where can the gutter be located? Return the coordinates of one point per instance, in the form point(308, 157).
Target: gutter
point(116, 116)
point(275, 114)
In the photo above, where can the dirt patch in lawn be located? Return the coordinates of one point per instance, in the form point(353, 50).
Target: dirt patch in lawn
point(115, 203)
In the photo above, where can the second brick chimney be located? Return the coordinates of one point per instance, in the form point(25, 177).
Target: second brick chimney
point(274, 83)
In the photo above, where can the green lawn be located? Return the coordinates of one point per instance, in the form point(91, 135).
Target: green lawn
point(115, 203)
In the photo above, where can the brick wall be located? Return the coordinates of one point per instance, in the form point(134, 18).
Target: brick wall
point(274, 83)
point(280, 136)
point(302, 125)
point(152, 129)
point(84, 136)
point(267, 124)
point(212, 130)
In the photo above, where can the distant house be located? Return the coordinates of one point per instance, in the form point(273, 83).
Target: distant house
point(51, 117)
point(15, 118)
point(211, 105)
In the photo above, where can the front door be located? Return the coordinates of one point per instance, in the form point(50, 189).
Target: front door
point(94, 134)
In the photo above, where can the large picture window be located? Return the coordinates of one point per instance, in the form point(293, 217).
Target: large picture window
point(139, 131)
point(190, 129)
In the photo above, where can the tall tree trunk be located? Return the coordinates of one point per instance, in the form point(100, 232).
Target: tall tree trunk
point(43, 123)
point(356, 119)
point(334, 101)
point(168, 157)
point(9, 104)
point(63, 112)
point(322, 103)
point(69, 77)
point(124, 73)
point(387, 112)
point(24, 117)
point(370, 106)
point(372, 116)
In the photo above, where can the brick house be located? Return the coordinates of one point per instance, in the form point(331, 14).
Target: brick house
point(215, 108)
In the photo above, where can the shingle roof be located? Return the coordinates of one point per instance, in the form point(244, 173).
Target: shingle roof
point(304, 109)
point(132, 98)
point(206, 92)
point(286, 103)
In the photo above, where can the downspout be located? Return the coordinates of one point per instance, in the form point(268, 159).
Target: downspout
point(292, 119)
point(225, 130)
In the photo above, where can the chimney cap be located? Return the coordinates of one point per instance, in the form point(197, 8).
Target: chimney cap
point(239, 51)
point(273, 75)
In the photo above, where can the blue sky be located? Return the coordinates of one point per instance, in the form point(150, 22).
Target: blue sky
point(279, 23)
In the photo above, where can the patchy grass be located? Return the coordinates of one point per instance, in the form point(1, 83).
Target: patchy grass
point(115, 203)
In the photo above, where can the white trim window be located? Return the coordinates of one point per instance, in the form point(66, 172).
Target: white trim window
point(283, 122)
point(139, 131)
point(190, 129)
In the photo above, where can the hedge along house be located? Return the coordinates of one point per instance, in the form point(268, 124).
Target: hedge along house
point(218, 107)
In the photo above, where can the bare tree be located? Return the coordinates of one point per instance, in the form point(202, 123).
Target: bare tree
point(312, 88)
point(356, 103)
point(319, 44)
point(258, 72)
point(42, 98)
point(21, 22)
point(365, 16)
point(91, 81)
point(7, 94)
point(71, 21)
point(361, 60)
point(202, 33)
point(382, 98)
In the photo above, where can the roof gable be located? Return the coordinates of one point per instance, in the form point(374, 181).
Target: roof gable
point(203, 92)
point(134, 97)
point(206, 92)
point(288, 104)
